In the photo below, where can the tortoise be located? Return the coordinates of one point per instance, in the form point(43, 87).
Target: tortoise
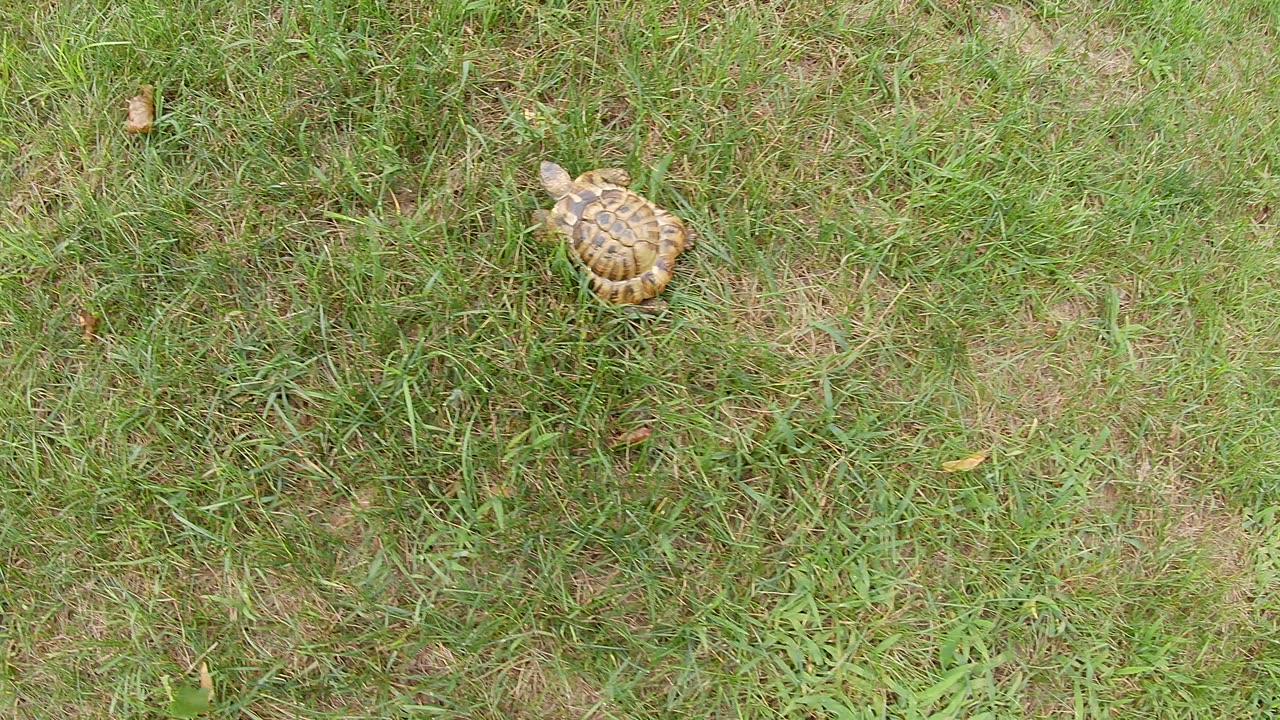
point(626, 243)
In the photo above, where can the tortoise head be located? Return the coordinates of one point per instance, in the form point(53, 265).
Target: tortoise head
point(556, 180)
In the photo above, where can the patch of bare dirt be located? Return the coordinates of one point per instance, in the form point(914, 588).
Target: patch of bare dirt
point(589, 584)
point(1065, 313)
point(1206, 521)
point(803, 310)
point(1046, 360)
point(40, 189)
point(1016, 26)
point(434, 660)
point(344, 516)
point(94, 619)
point(1023, 383)
point(544, 692)
point(1107, 57)
point(278, 615)
point(1162, 505)
point(1102, 58)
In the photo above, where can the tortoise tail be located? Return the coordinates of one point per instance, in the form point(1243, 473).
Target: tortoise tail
point(641, 287)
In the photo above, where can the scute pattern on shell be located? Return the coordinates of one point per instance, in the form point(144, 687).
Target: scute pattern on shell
point(617, 231)
point(627, 244)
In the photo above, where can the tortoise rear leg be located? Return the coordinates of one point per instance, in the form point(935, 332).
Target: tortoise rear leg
point(644, 308)
point(668, 219)
point(690, 237)
point(652, 306)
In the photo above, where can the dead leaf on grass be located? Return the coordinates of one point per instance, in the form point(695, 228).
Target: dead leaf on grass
point(87, 322)
point(500, 489)
point(142, 111)
point(966, 464)
point(538, 119)
point(636, 436)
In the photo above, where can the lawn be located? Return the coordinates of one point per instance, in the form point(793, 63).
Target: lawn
point(290, 390)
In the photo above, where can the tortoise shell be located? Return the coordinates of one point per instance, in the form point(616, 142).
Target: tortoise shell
point(626, 244)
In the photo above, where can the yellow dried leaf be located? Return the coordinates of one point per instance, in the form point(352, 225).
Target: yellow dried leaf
point(538, 118)
point(968, 463)
point(142, 111)
point(87, 322)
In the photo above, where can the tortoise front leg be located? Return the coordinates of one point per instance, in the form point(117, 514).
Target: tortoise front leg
point(545, 230)
point(613, 176)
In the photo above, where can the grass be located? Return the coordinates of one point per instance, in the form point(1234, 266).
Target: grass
point(344, 430)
